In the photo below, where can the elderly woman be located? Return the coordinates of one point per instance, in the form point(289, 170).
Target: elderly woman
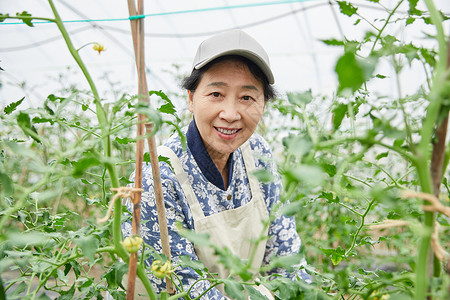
point(210, 187)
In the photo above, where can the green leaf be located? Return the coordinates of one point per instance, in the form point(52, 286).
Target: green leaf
point(168, 107)
point(24, 122)
point(300, 99)
point(234, 289)
point(37, 120)
point(27, 239)
point(333, 42)
point(12, 107)
point(199, 239)
point(286, 262)
point(336, 255)
point(329, 197)
point(329, 169)
point(88, 245)
point(263, 175)
point(347, 8)
point(196, 265)
point(398, 142)
point(146, 158)
point(67, 295)
point(298, 145)
point(254, 293)
point(124, 141)
point(80, 166)
point(234, 263)
point(292, 209)
point(153, 116)
point(2, 290)
point(382, 155)
point(6, 185)
point(350, 73)
point(339, 113)
point(24, 17)
point(309, 175)
point(164, 159)
point(125, 180)
point(413, 8)
point(18, 289)
point(286, 288)
point(410, 20)
point(115, 275)
point(54, 98)
point(353, 72)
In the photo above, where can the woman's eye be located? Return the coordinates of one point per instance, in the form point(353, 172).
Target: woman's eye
point(247, 98)
point(215, 94)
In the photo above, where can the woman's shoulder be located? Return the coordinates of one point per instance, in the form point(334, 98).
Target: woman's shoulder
point(176, 144)
point(259, 145)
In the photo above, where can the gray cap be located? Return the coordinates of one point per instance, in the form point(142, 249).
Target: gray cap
point(234, 42)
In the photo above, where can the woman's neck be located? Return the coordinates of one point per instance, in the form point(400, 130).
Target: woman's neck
point(221, 162)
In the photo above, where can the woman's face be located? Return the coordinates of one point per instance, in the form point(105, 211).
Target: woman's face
point(227, 106)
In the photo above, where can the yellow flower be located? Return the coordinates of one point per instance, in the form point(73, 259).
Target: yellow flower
point(132, 243)
point(160, 269)
point(99, 47)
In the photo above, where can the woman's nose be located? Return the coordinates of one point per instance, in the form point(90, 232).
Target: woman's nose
point(230, 111)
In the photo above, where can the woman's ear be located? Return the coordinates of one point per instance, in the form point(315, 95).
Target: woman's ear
point(191, 101)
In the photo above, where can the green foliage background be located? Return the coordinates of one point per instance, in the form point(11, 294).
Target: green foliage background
point(345, 161)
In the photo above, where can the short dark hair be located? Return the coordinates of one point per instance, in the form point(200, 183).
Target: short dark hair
point(191, 82)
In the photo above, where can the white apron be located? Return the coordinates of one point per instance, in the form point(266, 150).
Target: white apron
point(234, 228)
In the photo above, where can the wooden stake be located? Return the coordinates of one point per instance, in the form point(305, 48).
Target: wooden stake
point(159, 199)
point(137, 33)
point(137, 29)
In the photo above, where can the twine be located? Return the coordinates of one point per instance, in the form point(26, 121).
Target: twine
point(435, 206)
point(389, 224)
point(123, 192)
point(438, 250)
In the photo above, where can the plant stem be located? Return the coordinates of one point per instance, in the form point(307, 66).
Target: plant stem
point(104, 125)
point(385, 24)
point(363, 216)
point(101, 114)
point(435, 98)
point(31, 18)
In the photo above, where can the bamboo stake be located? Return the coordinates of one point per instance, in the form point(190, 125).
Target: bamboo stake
point(159, 199)
point(137, 28)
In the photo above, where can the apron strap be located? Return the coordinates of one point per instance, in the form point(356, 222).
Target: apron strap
point(249, 163)
point(183, 179)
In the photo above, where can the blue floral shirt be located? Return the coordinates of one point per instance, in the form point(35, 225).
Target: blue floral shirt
point(209, 188)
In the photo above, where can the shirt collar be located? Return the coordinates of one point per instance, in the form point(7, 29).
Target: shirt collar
point(204, 161)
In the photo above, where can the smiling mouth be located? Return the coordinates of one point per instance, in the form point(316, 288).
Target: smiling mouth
point(227, 131)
